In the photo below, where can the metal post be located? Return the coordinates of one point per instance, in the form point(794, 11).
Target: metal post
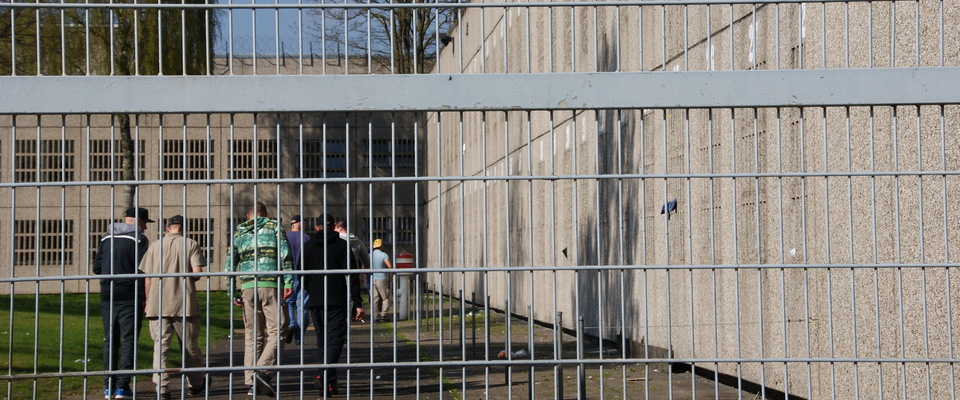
point(558, 353)
point(506, 341)
point(581, 368)
point(530, 350)
point(450, 317)
point(486, 319)
point(473, 324)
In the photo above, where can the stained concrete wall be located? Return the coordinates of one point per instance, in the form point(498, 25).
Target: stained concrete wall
point(807, 200)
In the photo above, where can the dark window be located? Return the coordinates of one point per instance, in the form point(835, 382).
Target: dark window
point(379, 154)
point(404, 234)
point(317, 160)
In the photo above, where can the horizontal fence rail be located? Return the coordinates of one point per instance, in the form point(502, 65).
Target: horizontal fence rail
point(561, 91)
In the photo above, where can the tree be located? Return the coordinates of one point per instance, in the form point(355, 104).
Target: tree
point(109, 41)
point(402, 40)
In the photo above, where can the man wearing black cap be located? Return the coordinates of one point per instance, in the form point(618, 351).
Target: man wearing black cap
point(172, 307)
point(121, 299)
point(332, 296)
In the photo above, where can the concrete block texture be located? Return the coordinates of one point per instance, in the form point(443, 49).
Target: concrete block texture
point(810, 249)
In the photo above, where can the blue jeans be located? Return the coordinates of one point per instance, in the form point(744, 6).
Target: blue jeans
point(295, 310)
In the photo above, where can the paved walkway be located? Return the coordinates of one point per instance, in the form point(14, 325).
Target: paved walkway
point(399, 341)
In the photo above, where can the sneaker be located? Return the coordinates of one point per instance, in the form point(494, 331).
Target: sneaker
point(330, 389)
point(258, 392)
point(123, 394)
point(164, 396)
point(385, 318)
point(106, 394)
point(263, 384)
point(288, 336)
point(197, 390)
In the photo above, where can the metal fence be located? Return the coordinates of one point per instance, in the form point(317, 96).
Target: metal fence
point(636, 199)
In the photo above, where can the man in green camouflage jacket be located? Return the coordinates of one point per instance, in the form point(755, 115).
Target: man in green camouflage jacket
point(260, 245)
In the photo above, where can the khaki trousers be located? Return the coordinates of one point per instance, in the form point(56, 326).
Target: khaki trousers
point(381, 297)
point(263, 323)
point(187, 330)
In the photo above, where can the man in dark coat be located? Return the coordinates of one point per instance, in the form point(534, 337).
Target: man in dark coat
point(332, 298)
point(121, 299)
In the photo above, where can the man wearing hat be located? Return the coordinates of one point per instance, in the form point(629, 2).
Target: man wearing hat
point(121, 299)
point(334, 298)
point(296, 237)
point(380, 286)
point(172, 307)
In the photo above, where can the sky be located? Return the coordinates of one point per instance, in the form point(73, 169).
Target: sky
point(272, 26)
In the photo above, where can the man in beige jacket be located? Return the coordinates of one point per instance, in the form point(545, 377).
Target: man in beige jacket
point(172, 304)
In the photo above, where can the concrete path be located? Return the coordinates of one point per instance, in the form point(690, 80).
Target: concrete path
point(403, 342)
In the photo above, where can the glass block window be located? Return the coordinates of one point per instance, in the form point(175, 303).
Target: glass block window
point(44, 160)
point(101, 154)
point(244, 167)
point(316, 161)
point(188, 159)
point(378, 153)
point(53, 244)
point(381, 228)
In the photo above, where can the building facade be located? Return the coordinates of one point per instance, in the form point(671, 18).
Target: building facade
point(207, 167)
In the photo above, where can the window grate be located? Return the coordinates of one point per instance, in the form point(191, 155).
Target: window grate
point(106, 160)
point(44, 160)
point(382, 228)
point(250, 164)
point(55, 242)
point(187, 159)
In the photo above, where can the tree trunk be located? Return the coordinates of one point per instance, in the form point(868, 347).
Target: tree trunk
point(128, 167)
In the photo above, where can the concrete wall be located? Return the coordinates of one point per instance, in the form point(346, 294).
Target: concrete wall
point(784, 210)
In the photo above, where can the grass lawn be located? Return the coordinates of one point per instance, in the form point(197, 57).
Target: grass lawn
point(40, 341)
